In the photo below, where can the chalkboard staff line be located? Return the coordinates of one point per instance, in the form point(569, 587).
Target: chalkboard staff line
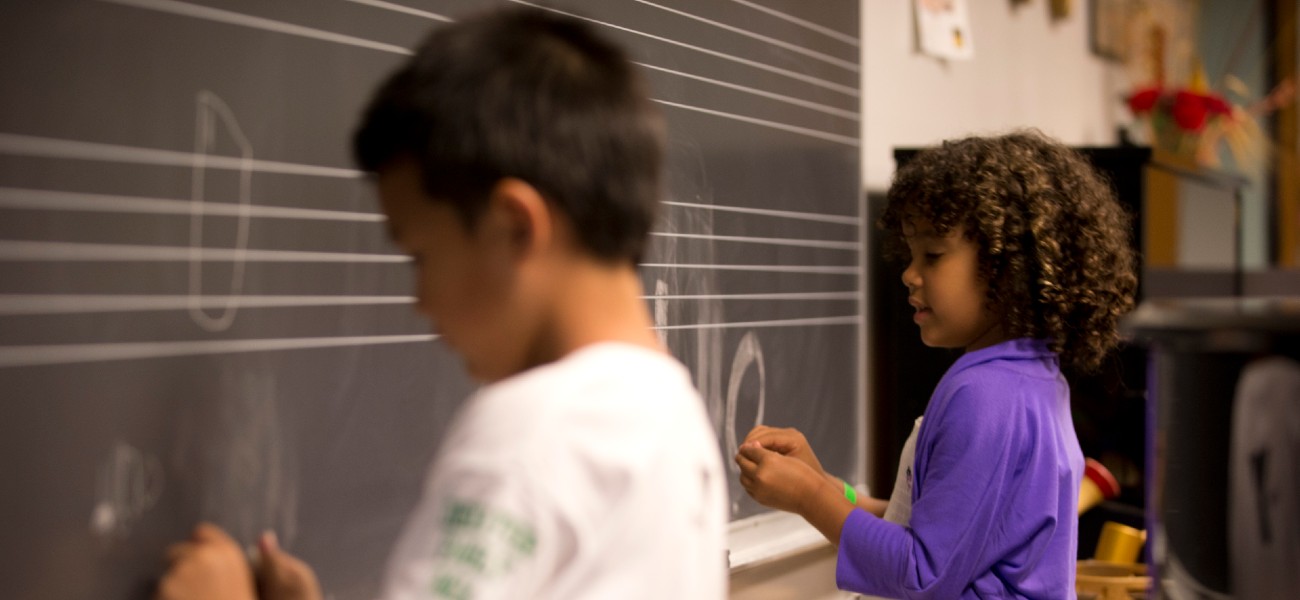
point(48, 304)
point(233, 18)
point(28, 199)
point(825, 244)
point(810, 269)
point(813, 54)
point(844, 320)
point(822, 108)
point(44, 147)
point(788, 214)
point(57, 354)
point(28, 145)
point(31, 199)
point(850, 91)
point(826, 58)
point(830, 110)
point(24, 250)
point(853, 295)
point(847, 90)
point(206, 13)
point(404, 9)
point(847, 114)
point(830, 137)
point(52, 304)
point(54, 354)
point(828, 32)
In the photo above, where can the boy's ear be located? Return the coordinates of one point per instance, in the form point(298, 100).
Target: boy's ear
point(522, 216)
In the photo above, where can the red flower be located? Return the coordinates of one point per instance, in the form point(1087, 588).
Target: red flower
point(1217, 105)
point(1143, 100)
point(1190, 110)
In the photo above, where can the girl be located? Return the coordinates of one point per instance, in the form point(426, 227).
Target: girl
point(1018, 253)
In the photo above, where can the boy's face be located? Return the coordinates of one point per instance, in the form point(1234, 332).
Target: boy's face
point(464, 278)
point(944, 285)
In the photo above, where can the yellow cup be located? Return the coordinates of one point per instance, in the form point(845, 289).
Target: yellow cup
point(1119, 543)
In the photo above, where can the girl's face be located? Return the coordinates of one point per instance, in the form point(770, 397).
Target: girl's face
point(944, 285)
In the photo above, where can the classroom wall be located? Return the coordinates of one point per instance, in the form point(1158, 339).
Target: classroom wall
point(1028, 70)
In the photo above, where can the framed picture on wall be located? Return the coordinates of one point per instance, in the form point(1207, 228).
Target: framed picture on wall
point(943, 27)
point(1109, 21)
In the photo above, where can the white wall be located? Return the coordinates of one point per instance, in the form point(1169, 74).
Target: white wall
point(1028, 71)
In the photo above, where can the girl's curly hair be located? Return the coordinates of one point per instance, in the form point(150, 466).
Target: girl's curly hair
point(1054, 242)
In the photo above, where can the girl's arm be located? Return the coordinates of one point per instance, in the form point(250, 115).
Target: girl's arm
point(959, 518)
point(875, 506)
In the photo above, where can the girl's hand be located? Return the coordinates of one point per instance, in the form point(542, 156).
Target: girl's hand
point(776, 480)
point(208, 566)
point(787, 441)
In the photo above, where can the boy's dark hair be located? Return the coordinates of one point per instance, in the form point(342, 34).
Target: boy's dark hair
point(1054, 243)
point(529, 94)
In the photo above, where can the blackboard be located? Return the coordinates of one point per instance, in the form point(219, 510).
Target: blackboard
point(201, 318)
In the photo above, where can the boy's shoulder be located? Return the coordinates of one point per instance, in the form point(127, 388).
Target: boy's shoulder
point(602, 388)
point(593, 369)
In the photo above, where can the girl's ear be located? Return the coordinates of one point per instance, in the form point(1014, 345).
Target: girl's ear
point(519, 217)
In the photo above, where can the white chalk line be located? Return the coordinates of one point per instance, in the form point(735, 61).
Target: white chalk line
point(45, 147)
point(820, 56)
point(811, 269)
point(786, 214)
point(49, 304)
point(55, 304)
point(23, 250)
point(826, 31)
point(843, 89)
point(811, 321)
point(802, 243)
point(54, 354)
point(32, 199)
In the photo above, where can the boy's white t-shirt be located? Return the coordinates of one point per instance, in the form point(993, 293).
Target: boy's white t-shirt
point(597, 476)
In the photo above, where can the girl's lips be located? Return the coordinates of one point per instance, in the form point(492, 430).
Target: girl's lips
point(922, 314)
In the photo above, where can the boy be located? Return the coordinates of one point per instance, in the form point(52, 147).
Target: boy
point(517, 159)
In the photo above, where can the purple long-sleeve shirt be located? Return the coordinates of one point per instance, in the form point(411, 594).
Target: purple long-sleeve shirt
point(994, 499)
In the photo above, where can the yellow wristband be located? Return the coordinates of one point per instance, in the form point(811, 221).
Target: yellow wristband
point(850, 494)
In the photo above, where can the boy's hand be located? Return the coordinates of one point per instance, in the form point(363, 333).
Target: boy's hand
point(787, 441)
point(776, 480)
point(210, 566)
point(281, 576)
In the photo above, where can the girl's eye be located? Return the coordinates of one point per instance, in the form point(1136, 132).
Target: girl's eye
point(932, 256)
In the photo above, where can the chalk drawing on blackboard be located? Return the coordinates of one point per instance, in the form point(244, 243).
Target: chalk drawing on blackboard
point(239, 449)
point(748, 352)
point(661, 310)
point(212, 119)
point(128, 484)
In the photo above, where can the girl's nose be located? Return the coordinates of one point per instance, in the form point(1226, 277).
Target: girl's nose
point(911, 277)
